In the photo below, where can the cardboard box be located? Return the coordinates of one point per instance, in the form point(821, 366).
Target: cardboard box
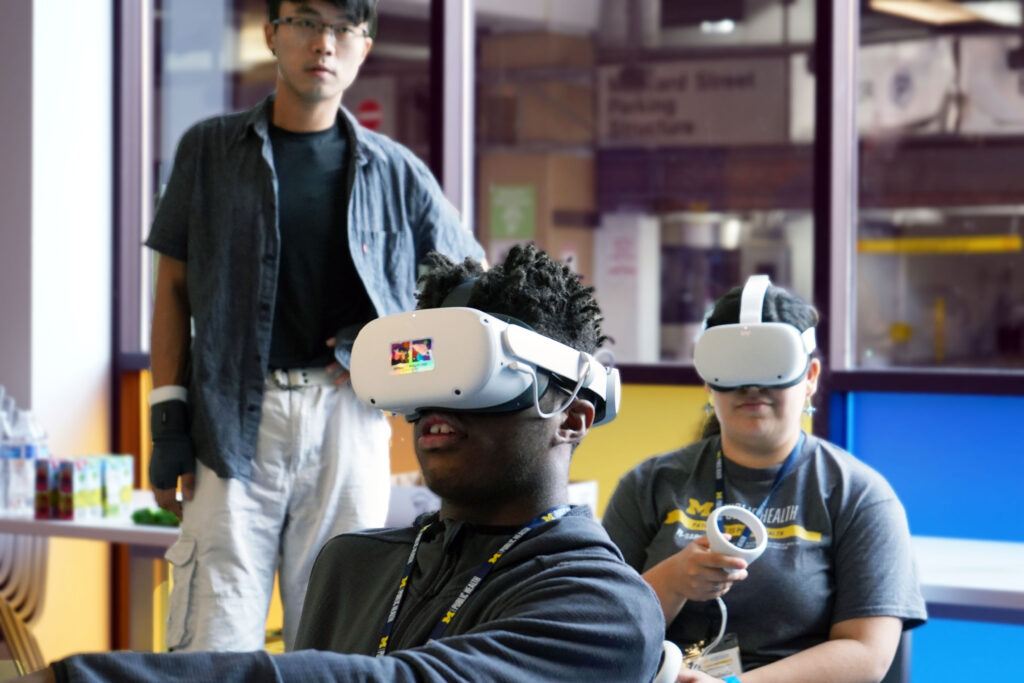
point(117, 485)
point(46, 488)
point(79, 488)
point(83, 488)
point(535, 50)
point(522, 112)
point(545, 198)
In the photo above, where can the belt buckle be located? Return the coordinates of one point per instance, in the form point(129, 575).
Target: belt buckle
point(296, 378)
point(282, 378)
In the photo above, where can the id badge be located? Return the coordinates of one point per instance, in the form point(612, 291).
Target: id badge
point(724, 660)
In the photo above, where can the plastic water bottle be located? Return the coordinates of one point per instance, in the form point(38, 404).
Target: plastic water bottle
point(8, 410)
point(37, 443)
point(19, 452)
point(5, 435)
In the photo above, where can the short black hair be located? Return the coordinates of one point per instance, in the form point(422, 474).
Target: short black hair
point(528, 286)
point(356, 11)
point(780, 306)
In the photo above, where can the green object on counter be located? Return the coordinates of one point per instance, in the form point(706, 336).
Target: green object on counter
point(157, 517)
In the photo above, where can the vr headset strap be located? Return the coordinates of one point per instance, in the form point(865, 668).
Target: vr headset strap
point(809, 340)
point(460, 295)
point(752, 300)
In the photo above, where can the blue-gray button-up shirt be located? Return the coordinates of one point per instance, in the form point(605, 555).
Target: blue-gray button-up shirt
point(218, 214)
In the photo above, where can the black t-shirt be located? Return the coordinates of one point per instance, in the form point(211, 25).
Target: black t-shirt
point(318, 288)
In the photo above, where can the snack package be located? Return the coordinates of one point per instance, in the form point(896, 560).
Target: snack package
point(79, 488)
point(46, 488)
point(118, 476)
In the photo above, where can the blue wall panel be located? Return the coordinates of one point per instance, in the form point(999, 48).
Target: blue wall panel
point(957, 463)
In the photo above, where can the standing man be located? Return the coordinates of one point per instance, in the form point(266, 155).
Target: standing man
point(283, 230)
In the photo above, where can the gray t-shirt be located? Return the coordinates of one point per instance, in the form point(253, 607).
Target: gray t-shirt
point(838, 549)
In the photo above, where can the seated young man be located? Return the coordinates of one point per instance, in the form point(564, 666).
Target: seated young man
point(507, 582)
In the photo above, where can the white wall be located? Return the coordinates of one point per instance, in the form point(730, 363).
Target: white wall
point(55, 268)
point(55, 227)
point(72, 180)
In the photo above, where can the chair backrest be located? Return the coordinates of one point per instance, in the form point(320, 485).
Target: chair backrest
point(899, 672)
point(20, 642)
point(23, 574)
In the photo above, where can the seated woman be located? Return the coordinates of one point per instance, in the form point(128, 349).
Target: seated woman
point(830, 596)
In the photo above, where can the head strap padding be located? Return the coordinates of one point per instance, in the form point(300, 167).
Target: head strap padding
point(752, 301)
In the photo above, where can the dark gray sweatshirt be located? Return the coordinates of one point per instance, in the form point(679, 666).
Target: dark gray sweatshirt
point(559, 606)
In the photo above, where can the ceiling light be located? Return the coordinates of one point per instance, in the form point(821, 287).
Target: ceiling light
point(1005, 12)
point(939, 12)
point(718, 27)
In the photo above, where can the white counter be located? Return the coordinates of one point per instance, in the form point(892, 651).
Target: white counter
point(969, 579)
point(122, 530)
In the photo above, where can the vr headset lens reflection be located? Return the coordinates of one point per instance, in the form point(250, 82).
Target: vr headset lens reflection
point(463, 359)
point(751, 352)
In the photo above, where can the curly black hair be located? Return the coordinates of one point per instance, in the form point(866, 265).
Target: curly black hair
point(528, 286)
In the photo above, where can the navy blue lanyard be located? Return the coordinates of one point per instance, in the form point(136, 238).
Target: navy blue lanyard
point(787, 465)
point(478, 577)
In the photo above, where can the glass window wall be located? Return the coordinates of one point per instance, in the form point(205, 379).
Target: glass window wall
point(939, 260)
point(664, 150)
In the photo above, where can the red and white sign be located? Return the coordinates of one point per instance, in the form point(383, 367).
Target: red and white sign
point(370, 114)
point(373, 100)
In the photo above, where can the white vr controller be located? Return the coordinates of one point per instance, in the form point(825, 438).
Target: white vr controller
point(720, 544)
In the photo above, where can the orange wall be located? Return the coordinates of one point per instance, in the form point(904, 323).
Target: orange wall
point(76, 599)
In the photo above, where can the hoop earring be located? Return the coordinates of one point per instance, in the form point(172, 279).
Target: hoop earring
point(809, 409)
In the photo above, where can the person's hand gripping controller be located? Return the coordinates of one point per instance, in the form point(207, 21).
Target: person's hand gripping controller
point(720, 543)
point(708, 566)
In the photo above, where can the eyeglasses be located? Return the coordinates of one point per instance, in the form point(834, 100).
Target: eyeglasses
point(308, 28)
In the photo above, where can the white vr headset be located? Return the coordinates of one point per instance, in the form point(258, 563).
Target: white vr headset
point(462, 359)
point(751, 352)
